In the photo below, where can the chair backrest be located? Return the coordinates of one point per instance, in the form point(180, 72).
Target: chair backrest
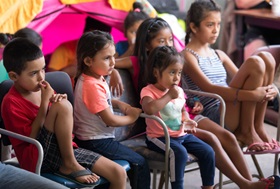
point(4, 88)
point(60, 82)
point(273, 49)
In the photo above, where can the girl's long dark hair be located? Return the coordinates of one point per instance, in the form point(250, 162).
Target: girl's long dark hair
point(146, 32)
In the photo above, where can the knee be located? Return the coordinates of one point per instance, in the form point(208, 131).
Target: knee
point(228, 136)
point(120, 173)
point(64, 106)
point(180, 156)
point(256, 64)
point(212, 140)
point(141, 161)
point(269, 60)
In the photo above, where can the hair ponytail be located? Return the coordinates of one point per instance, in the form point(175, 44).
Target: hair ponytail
point(5, 38)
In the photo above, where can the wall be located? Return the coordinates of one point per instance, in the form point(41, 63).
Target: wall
point(184, 5)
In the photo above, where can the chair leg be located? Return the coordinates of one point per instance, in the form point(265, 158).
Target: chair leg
point(135, 175)
point(257, 166)
point(161, 180)
point(276, 164)
point(154, 178)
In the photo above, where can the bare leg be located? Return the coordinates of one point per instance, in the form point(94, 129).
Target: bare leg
point(231, 160)
point(60, 121)
point(228, 147)
point(261, 107)
point(110, 170)
point(249, 76)
point(223, 162)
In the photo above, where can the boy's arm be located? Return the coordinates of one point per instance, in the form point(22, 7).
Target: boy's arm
point(46, 94)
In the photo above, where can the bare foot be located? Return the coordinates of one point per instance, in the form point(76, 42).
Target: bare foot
point(86, 179)
point(247, 139)
point(269, 182)
point(264, 136)
point(260, 184)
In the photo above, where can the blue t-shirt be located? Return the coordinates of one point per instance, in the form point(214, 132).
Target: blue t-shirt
point(121, 47)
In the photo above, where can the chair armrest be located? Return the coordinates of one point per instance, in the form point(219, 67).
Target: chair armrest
point(212, 95)
point(167, 141)
point(29, 140)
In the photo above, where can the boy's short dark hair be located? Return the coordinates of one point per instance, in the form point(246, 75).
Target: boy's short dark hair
point(18, 52)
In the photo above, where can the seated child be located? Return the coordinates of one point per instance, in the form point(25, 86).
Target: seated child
point(164, 98)
point(131, 24)
point(33, 109)
point(94, 119)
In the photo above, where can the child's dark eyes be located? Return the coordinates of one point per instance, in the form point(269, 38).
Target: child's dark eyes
point(35, 72)
point(174, 73)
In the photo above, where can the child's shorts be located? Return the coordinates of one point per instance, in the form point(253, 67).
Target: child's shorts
point(52, 158)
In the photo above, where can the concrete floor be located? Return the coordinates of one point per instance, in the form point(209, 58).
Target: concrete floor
point(193, 180)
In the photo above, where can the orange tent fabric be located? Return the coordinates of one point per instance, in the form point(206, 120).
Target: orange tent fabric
point(124, 5)
point(16, 14)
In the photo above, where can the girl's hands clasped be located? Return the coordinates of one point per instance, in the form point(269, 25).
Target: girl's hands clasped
point(266, 93)
point(271, 92)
